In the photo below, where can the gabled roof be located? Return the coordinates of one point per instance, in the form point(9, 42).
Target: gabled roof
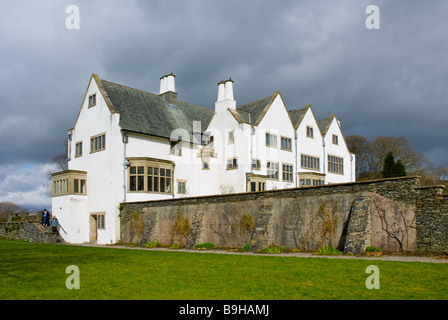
point(324, 124)
point(253, 112)
point(297, 116)
point(151, 114)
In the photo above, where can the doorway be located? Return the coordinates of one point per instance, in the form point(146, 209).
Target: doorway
point(93, 235)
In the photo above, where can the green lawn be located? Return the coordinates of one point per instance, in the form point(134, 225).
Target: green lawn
point(37, 271)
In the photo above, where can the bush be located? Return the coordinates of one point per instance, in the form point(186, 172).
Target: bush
point(205, 245)
point(246, 247)
point(153, 244)
point(373, 249)
point(176, 246)
point(273, 249)
point(327, 251)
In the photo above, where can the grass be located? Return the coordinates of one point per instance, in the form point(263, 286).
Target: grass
point(37, 271)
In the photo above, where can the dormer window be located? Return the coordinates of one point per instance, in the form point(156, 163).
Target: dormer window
point(92, 100)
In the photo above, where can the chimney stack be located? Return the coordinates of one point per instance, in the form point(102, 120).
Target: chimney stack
point(221, 90)
point(228, 89)
point(167, 83)
point(225, 96)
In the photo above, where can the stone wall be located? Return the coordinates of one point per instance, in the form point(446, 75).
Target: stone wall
point(432, 220)
point(33, 232)
point(350, 217)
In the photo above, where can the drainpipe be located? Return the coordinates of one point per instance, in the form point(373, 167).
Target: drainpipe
point(296, 164)
point(324, 159)
point(125, 164)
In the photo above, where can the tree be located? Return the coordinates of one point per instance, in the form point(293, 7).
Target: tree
point(360, 146)
point(7, 209)
point(391, 168)
point(370, 156)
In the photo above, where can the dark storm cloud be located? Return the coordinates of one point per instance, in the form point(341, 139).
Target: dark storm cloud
point(386, 82)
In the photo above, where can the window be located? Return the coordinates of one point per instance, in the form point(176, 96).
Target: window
point(137, 178)
point(335, 164)
point(78, 149)
point(232, 163)
point(311, 179)
point(271, 140)
point(335, 139)
point(256, 164)
point(210, 141)
point(287, 172)
point(98, 143)
point(231, 139)
point(100, 219)
point(92, 100)
point(309, 162)
point(286, 144)
point(272, 170)
point(150, 176)
point(69, 182)
point(309, 132)
point(181, 186)
point(205, 165)
point(176, 148)
point(256, 183)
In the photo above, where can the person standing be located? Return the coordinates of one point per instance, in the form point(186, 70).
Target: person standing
point(44, 217)
point(54, 224)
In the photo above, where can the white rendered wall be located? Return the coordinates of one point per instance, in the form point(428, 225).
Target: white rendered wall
point(104, 168)
point(339, 150)
point(307, 145)
point(276, 121)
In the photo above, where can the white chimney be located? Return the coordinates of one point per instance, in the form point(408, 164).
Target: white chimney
point(162, 85)
point(167, 83)
point(221, 90)
point(225, 96)
point(228, 95)
point(170, 83)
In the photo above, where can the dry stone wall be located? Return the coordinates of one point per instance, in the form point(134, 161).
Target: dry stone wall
point(350, 217)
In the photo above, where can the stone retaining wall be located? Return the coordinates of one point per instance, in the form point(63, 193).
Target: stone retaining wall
point(33, 232)
point(350, 217)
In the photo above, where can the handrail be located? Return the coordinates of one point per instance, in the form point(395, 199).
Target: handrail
point(59, 225)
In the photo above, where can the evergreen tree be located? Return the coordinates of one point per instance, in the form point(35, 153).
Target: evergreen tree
point(399, 169)
point(391, 168)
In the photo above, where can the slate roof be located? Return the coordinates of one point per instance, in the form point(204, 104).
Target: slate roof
point(158, 115)
point(151, 114)
point(324, 124)
point(297, 116)
point(253, 112)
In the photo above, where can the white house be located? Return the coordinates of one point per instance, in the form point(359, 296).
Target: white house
point(130, 145)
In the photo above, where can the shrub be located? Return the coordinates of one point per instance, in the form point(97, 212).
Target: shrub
point(327, 250)
point(205, 245)
point(273, 249)
point(373, 249)
point(153, 244)
point(176, 246)
point(246, 247)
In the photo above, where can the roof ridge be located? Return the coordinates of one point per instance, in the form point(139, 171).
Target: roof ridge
point(256, 101)
point(127, 87)
point(153, 94)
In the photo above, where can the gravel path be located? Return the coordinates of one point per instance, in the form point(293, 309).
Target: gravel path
point(432, 259)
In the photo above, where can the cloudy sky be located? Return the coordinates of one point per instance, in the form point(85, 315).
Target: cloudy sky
point(390, 81)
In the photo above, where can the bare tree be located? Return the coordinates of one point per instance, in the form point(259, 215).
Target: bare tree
point(397, 232)
point(7, 209)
